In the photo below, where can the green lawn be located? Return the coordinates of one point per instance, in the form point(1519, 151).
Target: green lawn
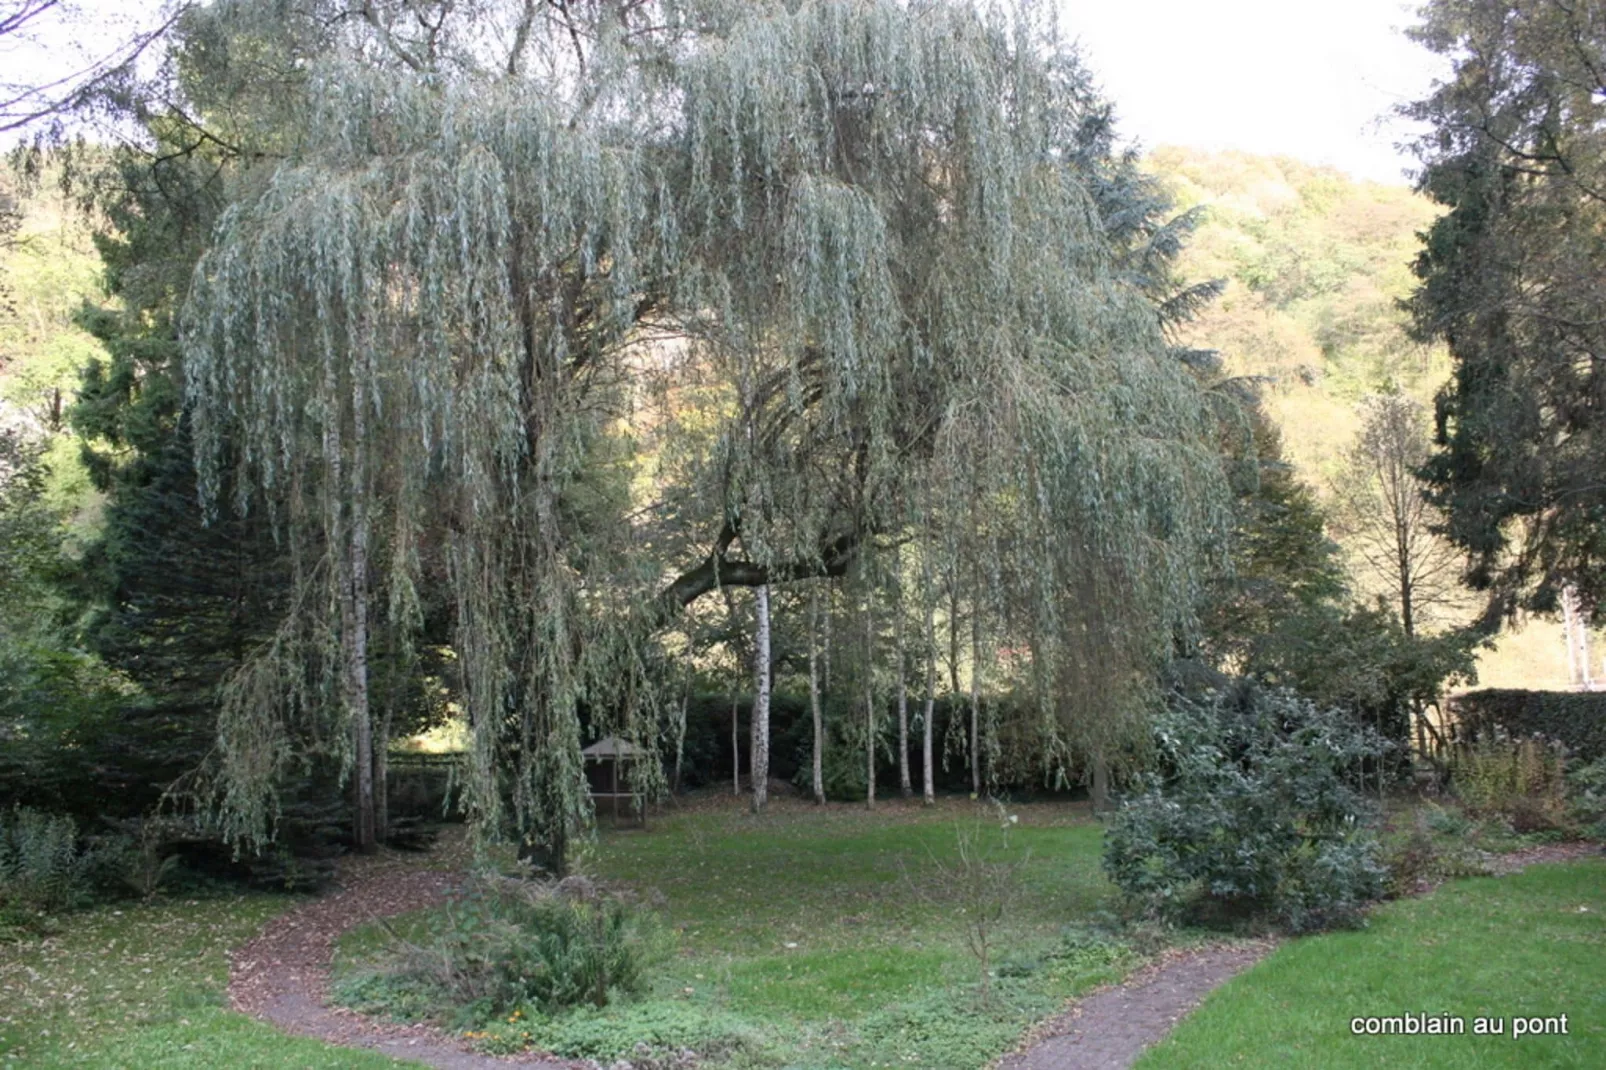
point(142, 987)
point(803, 935)
point(1532, 944)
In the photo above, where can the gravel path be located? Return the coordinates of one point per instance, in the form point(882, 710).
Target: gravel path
point(1109, 1029)
point(282, 976)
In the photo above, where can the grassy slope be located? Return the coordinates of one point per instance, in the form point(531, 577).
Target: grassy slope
point(1529, 944)
point(142, 987)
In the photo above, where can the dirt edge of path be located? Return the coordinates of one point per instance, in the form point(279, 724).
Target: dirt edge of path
point(1110, 1028)
point(281, 976)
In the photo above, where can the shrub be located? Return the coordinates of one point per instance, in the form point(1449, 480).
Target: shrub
point(1586, 797)
point(509, 943)
point(1253, 810)
point(42, 869)
point(980, 884)
point(1522, 780)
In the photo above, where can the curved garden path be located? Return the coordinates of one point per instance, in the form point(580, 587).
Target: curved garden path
point(1110, 1029)
point(282, 976)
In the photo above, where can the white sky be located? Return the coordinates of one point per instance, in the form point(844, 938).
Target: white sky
point(1314, 79)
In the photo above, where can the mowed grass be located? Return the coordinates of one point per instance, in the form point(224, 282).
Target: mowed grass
point(1530, 944)
point(839, 910)
point(142, 986)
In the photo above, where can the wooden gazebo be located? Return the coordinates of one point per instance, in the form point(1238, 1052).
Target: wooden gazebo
point(610, 772)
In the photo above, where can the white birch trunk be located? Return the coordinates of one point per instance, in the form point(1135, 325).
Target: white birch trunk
point(928, 783)
point(736, 745)
point(905, 788)
point(869, 704)
point(975, 701)
point(814, 697)
point(759, 763)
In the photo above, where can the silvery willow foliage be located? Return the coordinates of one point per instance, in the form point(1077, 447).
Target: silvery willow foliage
point(615, 305)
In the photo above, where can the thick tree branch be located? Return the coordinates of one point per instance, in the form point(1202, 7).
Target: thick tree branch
point(719, 570)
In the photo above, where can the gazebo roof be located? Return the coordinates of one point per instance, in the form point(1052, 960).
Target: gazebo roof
point(612, 747)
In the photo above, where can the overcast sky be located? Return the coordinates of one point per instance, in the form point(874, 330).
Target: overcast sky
point(1315, 79)
point(1305, 78)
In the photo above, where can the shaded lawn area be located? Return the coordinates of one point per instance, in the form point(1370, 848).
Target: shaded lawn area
point(802, 932)
point(143, 986)
point(812, 913)
point(1531, 944)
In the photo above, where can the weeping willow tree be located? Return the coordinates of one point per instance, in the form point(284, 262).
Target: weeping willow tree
point(868, 238)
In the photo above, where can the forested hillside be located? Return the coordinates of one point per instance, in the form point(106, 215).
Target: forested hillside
point(1316, 265)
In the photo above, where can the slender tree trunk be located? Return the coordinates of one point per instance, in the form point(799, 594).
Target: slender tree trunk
point(869, 704)
point(953, 631)
point(354, 630)
point(905, 788)
point(825, 635)
point(736, 745)
point(814, 697)
point(975, 701)
point(1576, 631)
point(928, 774)
point(382, 779)
point(759, 764)
point(680, 734)
point(1101, 783)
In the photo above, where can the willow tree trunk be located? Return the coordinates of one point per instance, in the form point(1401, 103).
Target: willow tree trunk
point(869, 705)
point(904, 787)
point(1101, 783)
point(814, 698)
point(353, 581)
point(759, 763)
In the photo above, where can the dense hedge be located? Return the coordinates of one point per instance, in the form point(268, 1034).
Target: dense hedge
point(1576, 719)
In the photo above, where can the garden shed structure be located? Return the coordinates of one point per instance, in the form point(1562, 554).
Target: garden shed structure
point(611, 765)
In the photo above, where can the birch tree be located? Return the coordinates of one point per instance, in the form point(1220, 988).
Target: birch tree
point(759, 763)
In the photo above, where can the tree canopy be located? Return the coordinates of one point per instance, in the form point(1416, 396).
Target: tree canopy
point(1511, 278)
point(885, 246)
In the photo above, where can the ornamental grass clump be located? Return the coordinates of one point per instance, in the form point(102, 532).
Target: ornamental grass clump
point(506, 945)
point(1254, 810)
point(1521, 780)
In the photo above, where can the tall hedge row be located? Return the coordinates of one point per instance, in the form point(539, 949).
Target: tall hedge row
point(1575, 718)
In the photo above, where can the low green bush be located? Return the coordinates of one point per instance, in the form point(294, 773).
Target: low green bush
point(43, 868)
point(658, 1034)
point(506, 944)
point(1253, 810)
point(1436, 843)
point(1586, 797)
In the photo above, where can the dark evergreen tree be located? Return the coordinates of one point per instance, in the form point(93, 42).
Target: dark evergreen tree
point(1513, 278)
